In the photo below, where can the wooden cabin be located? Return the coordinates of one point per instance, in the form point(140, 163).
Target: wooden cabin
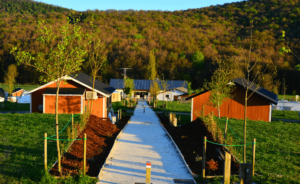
point(73, 96)
point(259, 105)
point(17, 92)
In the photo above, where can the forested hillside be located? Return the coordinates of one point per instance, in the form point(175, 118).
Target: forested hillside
point(179, 39)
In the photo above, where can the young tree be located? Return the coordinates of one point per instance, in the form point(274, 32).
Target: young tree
point(129, 86)
point(10, 76)
point(219, 86)
point(97, 55)
point(198, 60)
point(63, 56)
point(164, 85)
point(284, 87)
point(250, 84)
point(154, 88)
point(189, 86)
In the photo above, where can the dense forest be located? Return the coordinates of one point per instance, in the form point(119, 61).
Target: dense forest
point(180, 39)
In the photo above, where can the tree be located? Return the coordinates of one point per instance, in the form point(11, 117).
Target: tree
point(154, 88)
point(198, 60)
point(220, 86)
point(164, 85)
point(189, 86)
point(97, 55)
point(129, 86)
point(247, 84)
point(10, 76)
point(63, 56)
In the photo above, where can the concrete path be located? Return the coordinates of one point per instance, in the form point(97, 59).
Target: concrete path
point(142, 140)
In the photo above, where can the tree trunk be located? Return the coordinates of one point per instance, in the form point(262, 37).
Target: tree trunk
point(93, 92)
point(245, 123)
point(218, 110)
point(56, 127)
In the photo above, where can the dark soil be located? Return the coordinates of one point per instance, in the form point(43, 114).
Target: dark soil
point(189, 139)
point(101, 135)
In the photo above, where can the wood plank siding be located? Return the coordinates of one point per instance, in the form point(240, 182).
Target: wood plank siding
point(258, 107)
point(37, 99)
point(66, 104)
point(18, 93)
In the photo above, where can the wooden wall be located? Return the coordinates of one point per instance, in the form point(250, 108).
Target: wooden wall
point(66, 104)
point(37, 97)
point(258, 108)
point(18, 93)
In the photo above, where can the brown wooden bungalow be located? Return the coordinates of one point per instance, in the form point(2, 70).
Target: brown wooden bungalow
point(17, 92)
point(259, 104)
point(73, 96)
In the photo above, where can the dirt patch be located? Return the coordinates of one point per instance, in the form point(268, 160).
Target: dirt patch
point(101, 135)
point(189, 139)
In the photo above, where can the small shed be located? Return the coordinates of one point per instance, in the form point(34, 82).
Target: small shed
point(259, 105)
point(73, 96)
point(2, 95)
point(17, 92)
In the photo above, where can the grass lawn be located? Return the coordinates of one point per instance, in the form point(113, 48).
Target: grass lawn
point(119, 105)
point(25, 87)
point(278, 114)
point(8, 106)
point(277, 149)
point(22, 146)
point(287, 97)
point(174, 107)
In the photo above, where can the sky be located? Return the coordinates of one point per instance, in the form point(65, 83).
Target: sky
point(164, 5)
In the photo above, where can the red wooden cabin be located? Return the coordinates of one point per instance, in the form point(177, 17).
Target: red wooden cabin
point(17, 92)
point(73, 96)
point(259, 105)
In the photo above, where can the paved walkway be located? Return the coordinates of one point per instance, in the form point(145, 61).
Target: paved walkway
point(142, 140)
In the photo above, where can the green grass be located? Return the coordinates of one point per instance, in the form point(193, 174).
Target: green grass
point(174, 107)
point(278, 114)
point(287, 97)
point(8, 106)
point(25, 87)
point(183, 119)
point(22, 147)
point(277, 149)
point(119, 105)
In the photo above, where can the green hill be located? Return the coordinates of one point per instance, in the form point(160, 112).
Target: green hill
point(217, 31)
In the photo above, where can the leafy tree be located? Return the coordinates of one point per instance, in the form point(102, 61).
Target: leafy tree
point(164, 85)
point(129, 86)
point(220, 86)
point(10, 76)
point(61, 58)
point(189, 86)
point(198, 60)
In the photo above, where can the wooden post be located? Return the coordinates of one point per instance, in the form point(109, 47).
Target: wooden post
point(203, 157)
point(118, 115)
point(121, 113)
point(226, 124)
point(253, 156)
point(148, 172)
point(45, 152)
point(84, 153)
point(227, 164)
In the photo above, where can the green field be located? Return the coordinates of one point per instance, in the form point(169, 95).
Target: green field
point(21, 147)
point(278, 114)
point(277, 148)
point(25, 87)
point(287, 97)
point(8, 106)
point(173, 106)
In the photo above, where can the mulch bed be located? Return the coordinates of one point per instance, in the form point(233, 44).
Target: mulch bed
point(189, 139)
point(101, 135)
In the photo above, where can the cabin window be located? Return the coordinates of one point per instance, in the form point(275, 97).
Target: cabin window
point(167, 96)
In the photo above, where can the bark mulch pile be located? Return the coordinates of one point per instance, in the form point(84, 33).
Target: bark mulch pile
point(101, 135)
point(189, 139)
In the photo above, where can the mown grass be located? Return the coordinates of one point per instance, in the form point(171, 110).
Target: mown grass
point(9, 106)
point(277, 148)
point(173, 106)
point(287, 97)
point(119, 105)
point(22, 147)
point(278, 114)
point(25, 87)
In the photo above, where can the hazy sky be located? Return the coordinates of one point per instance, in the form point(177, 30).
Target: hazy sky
point(169, 5)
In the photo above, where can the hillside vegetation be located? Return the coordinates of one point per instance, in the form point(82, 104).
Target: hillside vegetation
point(179, 38)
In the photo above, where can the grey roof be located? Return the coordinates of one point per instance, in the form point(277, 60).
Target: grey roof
point(16, 90)
point(143, 84)
point(64, 91)
point(88, 80)
point(2, 93)
point(260, 91)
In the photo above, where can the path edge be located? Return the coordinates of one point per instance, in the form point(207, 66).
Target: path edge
point(178, 150)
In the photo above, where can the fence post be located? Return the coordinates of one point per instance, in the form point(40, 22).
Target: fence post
point(84, 153)
point(253, 156)
point(226, 124)
point(121, 113)
point(118, 115)
point(148, 172)
point(227, 164)
point(203, 157)
point(45, 152)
